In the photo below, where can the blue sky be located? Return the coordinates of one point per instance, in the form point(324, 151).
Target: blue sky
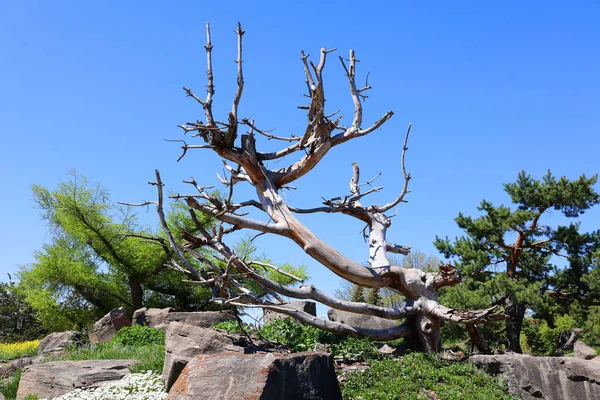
point(491, 88)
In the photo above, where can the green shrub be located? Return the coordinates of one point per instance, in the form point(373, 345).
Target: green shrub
point(296, 336)
point(150, 357)
point(543, 339)
point(356, 349)
point(10, 385)
point(417, 375)
point(138, 335)
point(233, 326)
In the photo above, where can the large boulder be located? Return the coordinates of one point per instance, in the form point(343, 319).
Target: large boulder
point(306, 306)
point(106, 327)
point(54, 379)
point(59, 341)
point(184, 342)
point(360, 320)
point(161, 317)
point(258, 376)
point(583, 351)
point(551, 378)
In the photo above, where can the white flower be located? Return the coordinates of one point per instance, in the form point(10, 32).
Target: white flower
point(140, 386)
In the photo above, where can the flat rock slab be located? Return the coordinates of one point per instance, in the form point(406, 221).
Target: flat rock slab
point(360, 320)
point(268, 376)
point(551, 378)
point(161, 317)
point(306, 306)
point(57, 378)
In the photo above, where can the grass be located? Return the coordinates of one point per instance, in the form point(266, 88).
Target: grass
point(150, 357)
point(10, 385)
point(416, 375)
point(10, 351)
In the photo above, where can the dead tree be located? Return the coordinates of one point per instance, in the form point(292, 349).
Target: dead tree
point(245, 163)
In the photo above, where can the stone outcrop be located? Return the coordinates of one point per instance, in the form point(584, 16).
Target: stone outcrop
point(54, 379)
point(306, 306)
point(258, 376)
point(551, 378)
point(161, 317)
point(106, 327)
point(583, 351)
point(360, 320)
point(59, 341)
point(184, 342)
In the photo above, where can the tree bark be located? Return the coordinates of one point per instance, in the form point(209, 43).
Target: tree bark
point(137, 294)
point(516, 314)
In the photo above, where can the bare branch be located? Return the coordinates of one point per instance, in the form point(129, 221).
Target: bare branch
point(400, 198)
point(282, 272)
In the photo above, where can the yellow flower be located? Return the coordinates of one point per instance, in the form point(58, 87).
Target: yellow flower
point(9, 351)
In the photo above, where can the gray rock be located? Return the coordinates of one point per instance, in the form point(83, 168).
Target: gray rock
point(184, 342)
point(551, 378)
point(161, 317)
point(306, 306)
point(360, 320)
point(59, 341)
point(258, 376)
point(2, 397)
point(14, 365)
point(106, 327)
point(54, 379)
point(583, 351)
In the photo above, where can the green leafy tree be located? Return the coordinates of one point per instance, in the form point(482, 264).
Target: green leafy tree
point(506, 253)
point(99, 258)
point(18, 322)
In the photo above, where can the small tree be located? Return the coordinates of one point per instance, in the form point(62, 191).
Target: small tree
point(506, 253)
point(18, 321)
point(100, 258)
point(246, 163)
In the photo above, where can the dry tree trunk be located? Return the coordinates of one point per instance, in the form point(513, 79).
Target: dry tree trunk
point(244, 163)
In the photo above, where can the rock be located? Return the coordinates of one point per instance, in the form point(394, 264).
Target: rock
point(360, 320)
point(54, 379)
point(59, 341)
point(596, 360)
point(106, 327)
point(583, 351)
point(385, 349)
point(184, 342)
point(306, 306)
point(552, 378)
point(2, 397)
point(161, 317)
point(258, 376)
point(14, 365)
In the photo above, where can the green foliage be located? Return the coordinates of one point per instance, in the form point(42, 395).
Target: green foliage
point(138, 335)
point(18, 322)
point(506, 253)
point(232, 326)
point(416, 376)
point(373, 297)
point(149, 357)
point(543, 339)
point(99, 259)
point(10, 385)
point(356, 349)
point(296, 336)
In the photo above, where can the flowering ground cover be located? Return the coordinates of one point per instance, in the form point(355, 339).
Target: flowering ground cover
point(139, 386)
point(9, 351)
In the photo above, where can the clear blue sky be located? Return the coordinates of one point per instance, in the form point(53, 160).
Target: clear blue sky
point(492, 88)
